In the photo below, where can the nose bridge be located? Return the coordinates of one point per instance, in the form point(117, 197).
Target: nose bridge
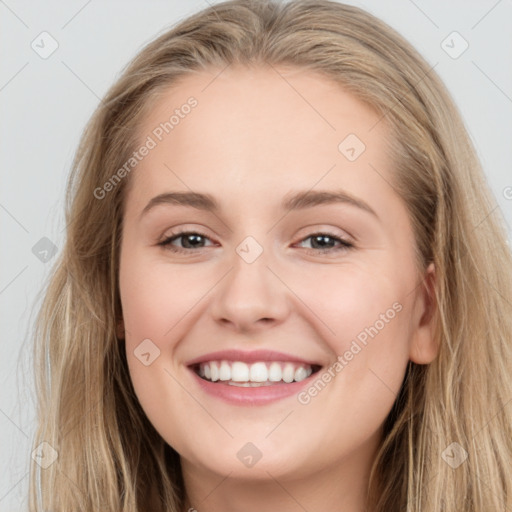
point(250, 291)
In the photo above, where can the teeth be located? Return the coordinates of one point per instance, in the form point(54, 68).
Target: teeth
point(300, 374)
point(225, 371)
point(214, 369)
point(274, 372)
point(238, 373)
point(258, 372)
point(288, 372)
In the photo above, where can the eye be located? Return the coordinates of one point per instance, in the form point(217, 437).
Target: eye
point(190, 240)
point(324, 242)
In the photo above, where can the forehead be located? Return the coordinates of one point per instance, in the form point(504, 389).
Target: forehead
point(269, 129)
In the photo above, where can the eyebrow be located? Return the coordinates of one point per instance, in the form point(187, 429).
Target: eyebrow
point(297, 201)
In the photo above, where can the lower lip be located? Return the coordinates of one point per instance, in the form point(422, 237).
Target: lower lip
point(260, 395)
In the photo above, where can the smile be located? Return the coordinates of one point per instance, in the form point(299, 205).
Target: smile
point(256, 374)
point(254, 377)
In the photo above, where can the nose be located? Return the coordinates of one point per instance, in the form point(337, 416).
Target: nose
point(251, 297)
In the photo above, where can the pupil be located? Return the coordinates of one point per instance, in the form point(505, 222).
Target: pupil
point(189, 237)
point(321, 237)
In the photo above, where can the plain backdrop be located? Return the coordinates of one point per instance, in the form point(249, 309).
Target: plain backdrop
point(45, 103)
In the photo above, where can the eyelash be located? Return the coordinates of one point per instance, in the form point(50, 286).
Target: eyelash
point(166, 243)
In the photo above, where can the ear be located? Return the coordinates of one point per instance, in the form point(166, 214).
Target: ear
point(423, 347)
point(120, 332)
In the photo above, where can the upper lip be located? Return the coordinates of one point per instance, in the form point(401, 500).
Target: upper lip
point(251, 356)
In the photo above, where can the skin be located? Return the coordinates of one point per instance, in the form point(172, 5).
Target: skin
point(252, 140)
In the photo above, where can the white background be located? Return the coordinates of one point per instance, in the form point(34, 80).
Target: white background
point(45, 104)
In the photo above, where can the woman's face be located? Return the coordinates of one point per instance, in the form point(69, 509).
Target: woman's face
point(300, 258)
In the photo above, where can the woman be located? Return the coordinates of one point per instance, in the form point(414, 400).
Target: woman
point(203, 346)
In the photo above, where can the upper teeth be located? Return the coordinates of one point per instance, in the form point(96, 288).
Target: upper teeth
point(238, 371)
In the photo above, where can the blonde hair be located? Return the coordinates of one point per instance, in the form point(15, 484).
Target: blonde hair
point(110, 457)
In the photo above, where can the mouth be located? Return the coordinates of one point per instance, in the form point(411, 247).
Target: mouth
point(249, 378)
point(254, 374)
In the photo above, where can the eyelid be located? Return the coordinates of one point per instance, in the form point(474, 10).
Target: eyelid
point(327, 229)
point(181, 233)
point(181, 229)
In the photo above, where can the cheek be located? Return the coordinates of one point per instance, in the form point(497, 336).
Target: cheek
point(367, 322)
point(156, 297)
point(369, 345)
point(354, 303)
point(155, 300)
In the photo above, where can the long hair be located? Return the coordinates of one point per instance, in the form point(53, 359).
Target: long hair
point(110, 457)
